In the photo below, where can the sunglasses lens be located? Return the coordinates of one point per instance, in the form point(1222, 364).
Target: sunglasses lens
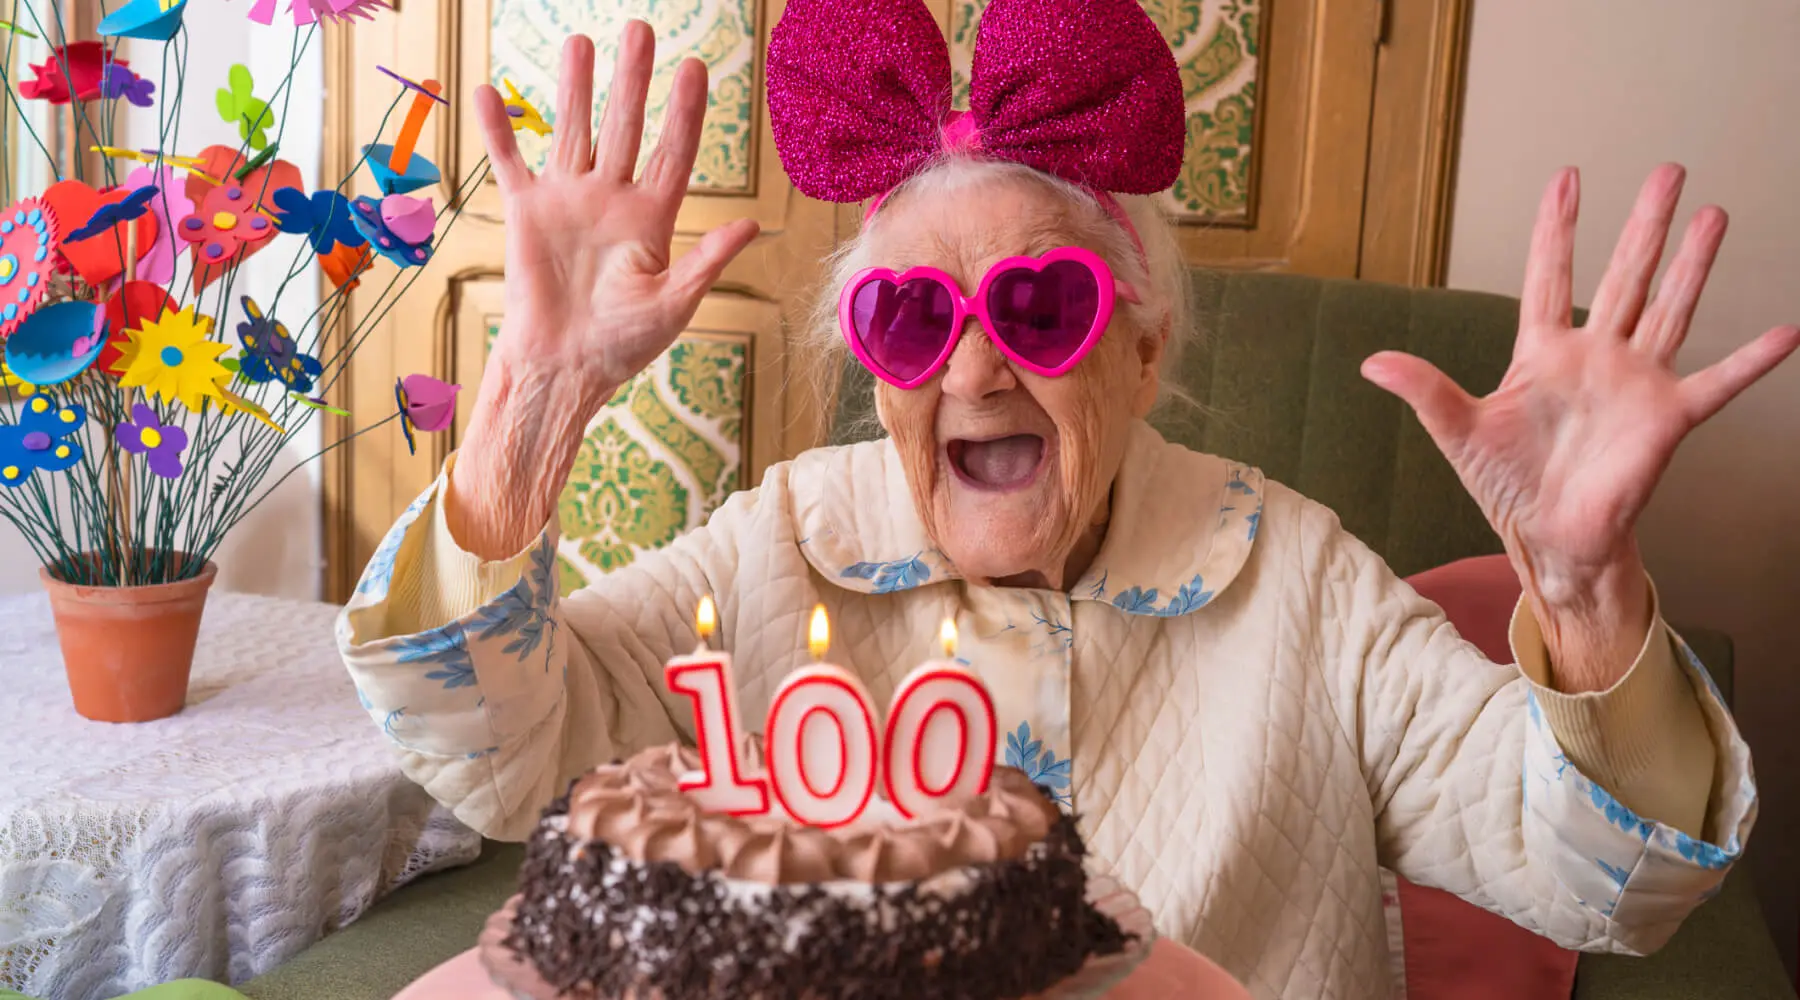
point(903, 327)
point(1044, 316)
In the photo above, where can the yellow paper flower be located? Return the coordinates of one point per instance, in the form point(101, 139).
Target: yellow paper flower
point(11, 382)
point(173, 359)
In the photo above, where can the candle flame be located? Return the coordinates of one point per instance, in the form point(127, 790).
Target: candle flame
point(947, 636)
point(706, 618)
point(818, 634)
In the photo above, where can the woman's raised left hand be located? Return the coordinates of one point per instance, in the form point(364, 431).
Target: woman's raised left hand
point(1563, 456)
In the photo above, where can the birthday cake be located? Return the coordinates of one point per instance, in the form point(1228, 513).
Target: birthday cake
point(631, 890)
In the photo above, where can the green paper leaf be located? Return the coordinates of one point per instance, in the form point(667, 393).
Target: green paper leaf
point(227, 105)
point(242, 84)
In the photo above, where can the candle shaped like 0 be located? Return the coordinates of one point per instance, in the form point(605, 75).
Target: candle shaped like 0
point(941, 735)
point(820, 739)
point(705, 678)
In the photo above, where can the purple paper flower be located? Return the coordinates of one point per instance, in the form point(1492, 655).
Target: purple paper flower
point(119, 81)
point(162, 443)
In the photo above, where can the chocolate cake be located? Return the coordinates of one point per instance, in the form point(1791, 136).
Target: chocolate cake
point(630, 892)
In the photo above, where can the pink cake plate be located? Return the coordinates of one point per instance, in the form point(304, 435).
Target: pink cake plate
point(1147, 970)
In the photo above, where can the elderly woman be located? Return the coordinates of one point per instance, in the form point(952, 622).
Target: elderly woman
point(1244, 706)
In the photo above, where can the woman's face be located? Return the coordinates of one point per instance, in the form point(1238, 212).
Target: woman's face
point(1010, 471)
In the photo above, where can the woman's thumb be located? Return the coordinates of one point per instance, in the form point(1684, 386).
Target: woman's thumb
point(699, 268)
point(1442, 406)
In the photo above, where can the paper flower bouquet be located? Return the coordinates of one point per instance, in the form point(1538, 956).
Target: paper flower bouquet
point(146, 397)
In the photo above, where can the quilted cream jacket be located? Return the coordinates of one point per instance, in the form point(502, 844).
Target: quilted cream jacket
point(1245, 707)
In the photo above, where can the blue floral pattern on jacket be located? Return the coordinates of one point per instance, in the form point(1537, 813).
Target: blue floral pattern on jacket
point(1625, 851)
point(522, 614)
point(1040, 763)
point(891, 577)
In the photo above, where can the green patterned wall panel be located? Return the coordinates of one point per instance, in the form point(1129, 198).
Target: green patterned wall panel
point(658, 459)
point(527, 38)
point(1216, 44)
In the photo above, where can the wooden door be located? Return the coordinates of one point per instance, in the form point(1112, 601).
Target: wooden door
point(1319, 138)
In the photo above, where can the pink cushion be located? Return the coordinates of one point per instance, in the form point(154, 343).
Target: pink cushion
point(1456, 950)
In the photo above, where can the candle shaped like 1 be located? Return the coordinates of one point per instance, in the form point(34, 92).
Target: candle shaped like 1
point(820, 740)
point(939, 746)
point(705, 678)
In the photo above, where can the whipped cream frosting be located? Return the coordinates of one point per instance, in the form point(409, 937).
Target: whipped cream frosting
point(639, 809)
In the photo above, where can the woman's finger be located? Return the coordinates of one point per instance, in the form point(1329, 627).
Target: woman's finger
point(501, 142)
point(672, 161)
point(622, 125)
point(1619, 301)
point(1550, 266)
point(1665, 324)
point(571, 145)
point(1707, 391)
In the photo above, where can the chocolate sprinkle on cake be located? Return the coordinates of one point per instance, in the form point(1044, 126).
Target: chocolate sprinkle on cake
point(597, 925)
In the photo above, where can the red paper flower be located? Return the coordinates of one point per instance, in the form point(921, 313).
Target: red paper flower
point(28, 241)
point(86, 62)
point(227, 222)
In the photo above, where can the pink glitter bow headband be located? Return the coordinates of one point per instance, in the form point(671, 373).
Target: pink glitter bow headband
point(1084, 90)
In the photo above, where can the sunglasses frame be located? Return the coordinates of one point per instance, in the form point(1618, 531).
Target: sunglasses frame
point(976, 305)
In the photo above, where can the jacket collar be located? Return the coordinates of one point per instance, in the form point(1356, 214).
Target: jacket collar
point(1182, 527)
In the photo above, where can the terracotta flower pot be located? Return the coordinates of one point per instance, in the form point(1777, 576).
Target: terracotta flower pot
point(128, 650)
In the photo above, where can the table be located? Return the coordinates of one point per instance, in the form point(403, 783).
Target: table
point(215, 844)
point(1170, 973)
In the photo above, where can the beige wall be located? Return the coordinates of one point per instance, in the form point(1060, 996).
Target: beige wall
point(1614, 87)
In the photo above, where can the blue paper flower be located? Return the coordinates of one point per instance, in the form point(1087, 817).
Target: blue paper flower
point(366, 214)
point(270, 352)
point(40, 440)
point(323, 217)
point(107, 216)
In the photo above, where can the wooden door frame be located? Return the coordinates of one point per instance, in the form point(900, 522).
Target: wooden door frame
point(1415, 129)
point(336, 481)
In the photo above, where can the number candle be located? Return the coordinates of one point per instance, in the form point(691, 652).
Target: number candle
point(705, 678)
point(820, 739)
point(824, 753)
point(939, 746)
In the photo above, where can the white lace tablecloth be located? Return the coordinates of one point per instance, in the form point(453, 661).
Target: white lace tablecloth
point(214, 844)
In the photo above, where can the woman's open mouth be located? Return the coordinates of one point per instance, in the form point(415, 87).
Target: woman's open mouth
point(996, 465)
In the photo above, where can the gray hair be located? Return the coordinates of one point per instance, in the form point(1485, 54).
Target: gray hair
point(1159, 274)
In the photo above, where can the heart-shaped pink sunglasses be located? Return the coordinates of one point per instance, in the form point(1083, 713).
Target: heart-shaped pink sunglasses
point(1043, 313)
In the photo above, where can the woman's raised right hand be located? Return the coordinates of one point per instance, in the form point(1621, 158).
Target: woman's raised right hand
point(592, 296)
point(590, 288)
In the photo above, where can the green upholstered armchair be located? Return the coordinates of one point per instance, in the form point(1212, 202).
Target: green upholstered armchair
point(1278, 377)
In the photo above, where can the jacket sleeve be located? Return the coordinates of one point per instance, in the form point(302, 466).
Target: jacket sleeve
point(1563, 813)
point(497, 691)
